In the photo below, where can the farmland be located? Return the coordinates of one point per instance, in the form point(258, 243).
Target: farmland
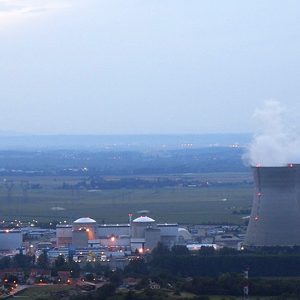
point(205, 185)
point(60, 198)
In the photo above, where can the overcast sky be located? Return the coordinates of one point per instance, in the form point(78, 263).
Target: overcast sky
point(145, 66)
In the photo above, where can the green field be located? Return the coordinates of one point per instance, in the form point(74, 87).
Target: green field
point(40, 292)
point(211, 204)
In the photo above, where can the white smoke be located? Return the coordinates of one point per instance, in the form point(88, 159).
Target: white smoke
point(276, 143)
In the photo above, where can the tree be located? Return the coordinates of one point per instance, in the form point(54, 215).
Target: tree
point(137, 266)
point(228, 251)
point(131, 296)
point(89, 277)
point(205, 251)
point(5, 262)
point(116, 277)
point(42, 260)
point(60, 261)
point(22, 261)
point(105, 291)
point(74, 268)
point(160, 250)
point(180, 250)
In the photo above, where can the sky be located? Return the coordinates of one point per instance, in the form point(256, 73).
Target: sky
point(145, 66)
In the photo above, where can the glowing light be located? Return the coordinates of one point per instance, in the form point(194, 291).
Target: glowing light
point(112, 239)
point(141, 250)
point(290, 165)
point(256, 218)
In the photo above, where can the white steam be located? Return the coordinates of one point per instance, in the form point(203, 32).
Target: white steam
point(275, 143)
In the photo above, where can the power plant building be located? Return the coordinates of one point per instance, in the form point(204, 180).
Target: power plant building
point(141, 234)
point(10, 239)
point(275, 215)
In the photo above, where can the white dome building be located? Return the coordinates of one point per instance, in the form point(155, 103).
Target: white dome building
point(86, 220)
point(183, 235)
point(83, 230)
point(140, 224)
point(143, 219)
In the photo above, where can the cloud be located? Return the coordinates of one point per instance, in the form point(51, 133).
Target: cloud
point(12, 11)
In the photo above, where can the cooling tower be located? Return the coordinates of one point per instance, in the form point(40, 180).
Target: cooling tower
point(275, 215)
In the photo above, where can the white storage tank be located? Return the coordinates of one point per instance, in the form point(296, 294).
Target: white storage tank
point(140, 224)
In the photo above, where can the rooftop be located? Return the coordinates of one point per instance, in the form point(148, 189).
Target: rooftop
point(86, 220)
point(143, 219)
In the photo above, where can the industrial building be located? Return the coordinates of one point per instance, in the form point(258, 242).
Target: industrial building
point(141, 234)
point(10, 239)
point(275, 215)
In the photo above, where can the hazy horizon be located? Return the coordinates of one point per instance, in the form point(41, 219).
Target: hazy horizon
point(142, 142)
point(24, 134)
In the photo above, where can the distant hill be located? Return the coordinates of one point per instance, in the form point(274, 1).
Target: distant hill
point(122, 162)
point(120, 142)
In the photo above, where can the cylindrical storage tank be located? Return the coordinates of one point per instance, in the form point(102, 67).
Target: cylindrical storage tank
point(87, 224)
point(80, 238)
point(275, 215)
point(139, 226)
point(63, 235)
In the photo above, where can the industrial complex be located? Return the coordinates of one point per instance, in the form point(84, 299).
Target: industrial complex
point(141, 234)
point(86, 240)
point(274, 221)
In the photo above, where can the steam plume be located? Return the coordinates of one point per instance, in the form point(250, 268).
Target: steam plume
point(275, 143)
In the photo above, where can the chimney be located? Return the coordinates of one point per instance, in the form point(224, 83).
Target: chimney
point(275, 215)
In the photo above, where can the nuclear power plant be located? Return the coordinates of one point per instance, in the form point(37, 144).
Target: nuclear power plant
point(275, 215)
point(140, 234)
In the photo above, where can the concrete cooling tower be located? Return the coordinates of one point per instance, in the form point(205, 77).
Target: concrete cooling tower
point(275, 215)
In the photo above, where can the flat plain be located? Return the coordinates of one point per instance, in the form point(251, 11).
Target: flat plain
point(225, 199)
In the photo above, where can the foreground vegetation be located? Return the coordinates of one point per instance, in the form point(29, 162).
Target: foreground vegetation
point(46, 292)
point(179, 274)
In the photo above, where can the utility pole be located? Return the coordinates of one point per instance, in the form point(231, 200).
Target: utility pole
point(25, 187)
point(246, 286)
point(8, 184)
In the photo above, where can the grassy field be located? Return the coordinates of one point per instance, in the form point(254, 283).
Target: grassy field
point(180, 204)
point(38, 292)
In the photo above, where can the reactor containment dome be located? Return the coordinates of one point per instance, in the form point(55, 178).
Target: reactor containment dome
point(86, 220)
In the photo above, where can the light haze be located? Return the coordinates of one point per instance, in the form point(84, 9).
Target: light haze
point(141, 67)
